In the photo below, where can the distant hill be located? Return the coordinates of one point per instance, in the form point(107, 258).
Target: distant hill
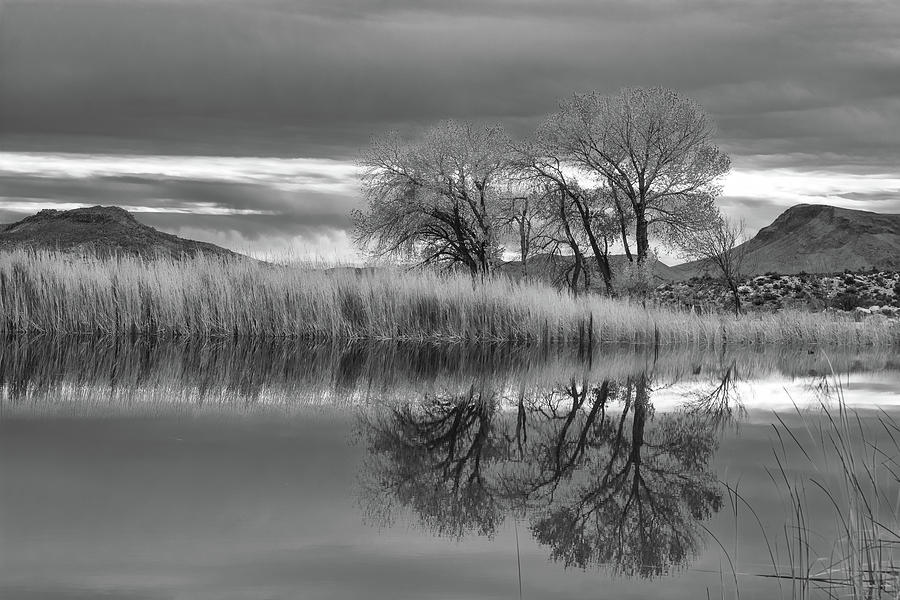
point(817, 238)
point(548, 266)
point(104, 230)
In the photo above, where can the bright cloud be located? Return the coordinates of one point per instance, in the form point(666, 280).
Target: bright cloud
point(315, 174)
point(788, 187)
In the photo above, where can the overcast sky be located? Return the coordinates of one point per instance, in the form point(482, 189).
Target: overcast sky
point(237, 121)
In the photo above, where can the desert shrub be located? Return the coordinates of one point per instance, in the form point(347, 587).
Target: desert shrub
point(848, 300)
point(636, 280)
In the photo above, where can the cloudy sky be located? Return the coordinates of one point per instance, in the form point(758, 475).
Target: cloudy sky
point(238, 121)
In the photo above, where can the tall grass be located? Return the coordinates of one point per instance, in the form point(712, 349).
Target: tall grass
point(47, 292)
point(860, 481)
point(837, 471)
point(117, 372)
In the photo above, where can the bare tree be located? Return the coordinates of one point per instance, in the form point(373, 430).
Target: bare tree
point(520, 220)
point(435, 198)
point(721, 245)
point(587, 210)
point(652, 146)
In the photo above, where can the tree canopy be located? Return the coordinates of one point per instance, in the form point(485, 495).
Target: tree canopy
point(653, 146)
point(598, 173)
point(437, 197)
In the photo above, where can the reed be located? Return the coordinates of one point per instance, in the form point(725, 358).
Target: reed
point(47, 292)
point(837, 473)
point(72, 374)
point(857, 477)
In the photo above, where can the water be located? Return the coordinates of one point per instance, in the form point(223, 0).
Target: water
point(222, 470)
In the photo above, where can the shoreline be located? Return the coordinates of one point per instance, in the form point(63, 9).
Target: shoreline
point(49, 293)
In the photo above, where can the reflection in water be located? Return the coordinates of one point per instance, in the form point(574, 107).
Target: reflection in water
point(601, 478)
point(433, 458)
point(611, 464)
point(87, 376)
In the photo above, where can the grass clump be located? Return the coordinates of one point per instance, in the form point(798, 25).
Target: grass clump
point(858, 478)
point(54, 293)
point(838, 477)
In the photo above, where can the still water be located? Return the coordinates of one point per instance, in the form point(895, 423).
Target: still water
point(265, 471)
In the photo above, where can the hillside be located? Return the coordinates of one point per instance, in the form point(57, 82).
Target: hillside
point(815, 238)
point(104, 230)
point(551, 267)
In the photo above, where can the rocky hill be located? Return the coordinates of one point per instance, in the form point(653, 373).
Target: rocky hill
point(102, 230)
point(815, 238)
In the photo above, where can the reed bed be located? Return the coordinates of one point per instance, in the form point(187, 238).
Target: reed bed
point(32, 366)
point(838, 476)
point(53, 293)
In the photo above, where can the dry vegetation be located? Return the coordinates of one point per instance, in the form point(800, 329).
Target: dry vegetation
point(79, 375)
point(54, 293)
point(836, 473)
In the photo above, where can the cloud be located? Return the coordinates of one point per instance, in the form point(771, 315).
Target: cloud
point(204, 105)
point(319, 78)
point(261, 205)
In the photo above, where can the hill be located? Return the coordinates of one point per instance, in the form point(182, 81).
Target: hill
point(103, 230)
point(816, 238)
point(550, 267)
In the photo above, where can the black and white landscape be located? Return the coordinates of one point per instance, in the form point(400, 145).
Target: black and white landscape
point(499, 299)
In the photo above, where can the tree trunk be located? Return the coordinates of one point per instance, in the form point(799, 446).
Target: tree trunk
point(640, 234)
point(576, 273)
point(605, 271)
point(523, 247)
point(737, 297)
point(600, 256)
point(622, 224)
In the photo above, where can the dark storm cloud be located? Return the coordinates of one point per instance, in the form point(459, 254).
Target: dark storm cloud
point(873, 199)
point(261, 233)
point(313, 208)
point(805, 85)
point(318, 78)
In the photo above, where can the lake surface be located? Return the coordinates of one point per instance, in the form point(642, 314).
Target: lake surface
point(219, 470)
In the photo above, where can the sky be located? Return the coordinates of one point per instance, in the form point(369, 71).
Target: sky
point(239, 121)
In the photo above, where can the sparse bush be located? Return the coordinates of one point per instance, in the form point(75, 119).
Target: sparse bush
point(848, 300)
point(636, 280)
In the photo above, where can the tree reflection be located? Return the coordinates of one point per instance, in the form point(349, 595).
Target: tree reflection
point(639, 493)
point(601, 478)
point(431, 457)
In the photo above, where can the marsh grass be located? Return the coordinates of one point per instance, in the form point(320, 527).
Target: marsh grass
point(839, 478)
point(52, 293)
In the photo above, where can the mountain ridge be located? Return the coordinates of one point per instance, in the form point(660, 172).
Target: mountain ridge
point(812, 238)
point(101, 230)
point(816, 238)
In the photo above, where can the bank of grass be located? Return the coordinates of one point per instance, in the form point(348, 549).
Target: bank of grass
point(52, 293)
